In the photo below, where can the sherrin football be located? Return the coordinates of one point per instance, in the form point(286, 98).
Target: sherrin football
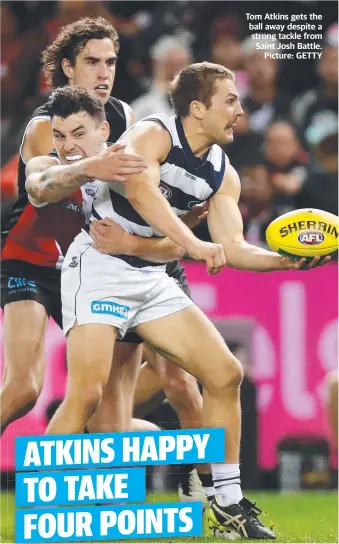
point(304, 233)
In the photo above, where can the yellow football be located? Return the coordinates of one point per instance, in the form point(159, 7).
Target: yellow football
point(304, 233)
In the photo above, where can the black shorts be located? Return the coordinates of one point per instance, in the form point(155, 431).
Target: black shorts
point(177, 272)
point(25, 281)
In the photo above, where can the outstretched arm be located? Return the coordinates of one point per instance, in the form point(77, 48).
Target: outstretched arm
point(226, 228)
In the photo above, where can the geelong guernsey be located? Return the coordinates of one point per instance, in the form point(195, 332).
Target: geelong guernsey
point(185, 180)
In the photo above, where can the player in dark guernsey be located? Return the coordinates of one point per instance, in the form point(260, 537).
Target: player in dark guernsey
point(31, 258)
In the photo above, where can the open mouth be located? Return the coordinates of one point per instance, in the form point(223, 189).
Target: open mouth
point(73, 158)
point(102, 88)
point(231, 125)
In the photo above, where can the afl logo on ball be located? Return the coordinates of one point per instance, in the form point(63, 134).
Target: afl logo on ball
point(311, 237)
point(166, 191)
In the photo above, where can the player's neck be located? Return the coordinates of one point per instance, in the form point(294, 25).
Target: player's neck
point(196, 138)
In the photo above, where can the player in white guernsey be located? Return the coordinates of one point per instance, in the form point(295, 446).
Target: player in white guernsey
point(105, 295)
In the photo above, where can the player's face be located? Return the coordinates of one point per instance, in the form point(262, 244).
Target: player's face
point(221, 117)
point(94, 68)
point(78, 136)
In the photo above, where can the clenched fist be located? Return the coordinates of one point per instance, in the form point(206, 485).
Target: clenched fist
point(213, 255)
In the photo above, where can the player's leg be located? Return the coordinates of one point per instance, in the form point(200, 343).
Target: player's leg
point(149, 384)
point(25, 324)
point(115, 411)
point(188, 338)
point(26, 293)
point(180, 387)
point(332, 402)
point(89, 356)
point(182, 392)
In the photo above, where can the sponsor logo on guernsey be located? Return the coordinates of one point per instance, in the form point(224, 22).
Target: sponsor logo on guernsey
point(165, 190)
point(109, 308)
point(74, 207)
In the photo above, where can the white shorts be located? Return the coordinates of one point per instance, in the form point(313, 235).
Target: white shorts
point(97, 288)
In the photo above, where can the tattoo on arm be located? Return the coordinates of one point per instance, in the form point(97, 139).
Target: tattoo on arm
point(57, 182)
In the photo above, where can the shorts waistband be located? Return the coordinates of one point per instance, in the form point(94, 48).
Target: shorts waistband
point(135, 262)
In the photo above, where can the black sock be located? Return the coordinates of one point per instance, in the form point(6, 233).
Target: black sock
point(207, 484)
point(86, 431)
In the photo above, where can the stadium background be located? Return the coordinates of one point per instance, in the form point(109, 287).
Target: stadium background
point(283, 327)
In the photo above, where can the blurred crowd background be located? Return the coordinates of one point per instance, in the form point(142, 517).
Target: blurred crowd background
point(285, 147)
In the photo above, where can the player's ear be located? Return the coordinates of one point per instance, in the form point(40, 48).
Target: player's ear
point(105, 130)
point(197, 109)
point(67, 68)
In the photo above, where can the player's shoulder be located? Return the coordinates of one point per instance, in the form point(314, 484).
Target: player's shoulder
point(149, 137)
point(220, 163)
point(157, 124)
point(226, 176)
point(40, 119)
point(37, 138)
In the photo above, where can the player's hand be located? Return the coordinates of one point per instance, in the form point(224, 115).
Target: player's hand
point(110, 238)
point(213, 255)
point(196, 215)
point(288, 264)
point(112, 164)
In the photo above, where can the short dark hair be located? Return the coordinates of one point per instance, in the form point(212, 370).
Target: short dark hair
point(67, 100)
point(70, 42)
point(196, 82)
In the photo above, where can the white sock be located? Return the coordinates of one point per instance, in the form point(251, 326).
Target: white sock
point(226, 480)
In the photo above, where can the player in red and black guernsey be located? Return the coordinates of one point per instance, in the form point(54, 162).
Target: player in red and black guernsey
point(83, 54)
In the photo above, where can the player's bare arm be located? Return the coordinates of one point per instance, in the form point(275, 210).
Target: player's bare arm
point(47, 181)
point(226, 228)
point(153, 142)
point(110, 238)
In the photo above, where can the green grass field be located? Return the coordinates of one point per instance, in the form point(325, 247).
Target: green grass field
point(297, 517)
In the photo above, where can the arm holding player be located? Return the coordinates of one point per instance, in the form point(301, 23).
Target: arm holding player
point(48, 181)
point(111, 238)
point(153, 142)
point(226, 228)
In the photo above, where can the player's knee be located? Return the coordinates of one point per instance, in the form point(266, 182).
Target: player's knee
point(332, 382)
point(23, 397)
point(90, 397)
point(227, 375)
